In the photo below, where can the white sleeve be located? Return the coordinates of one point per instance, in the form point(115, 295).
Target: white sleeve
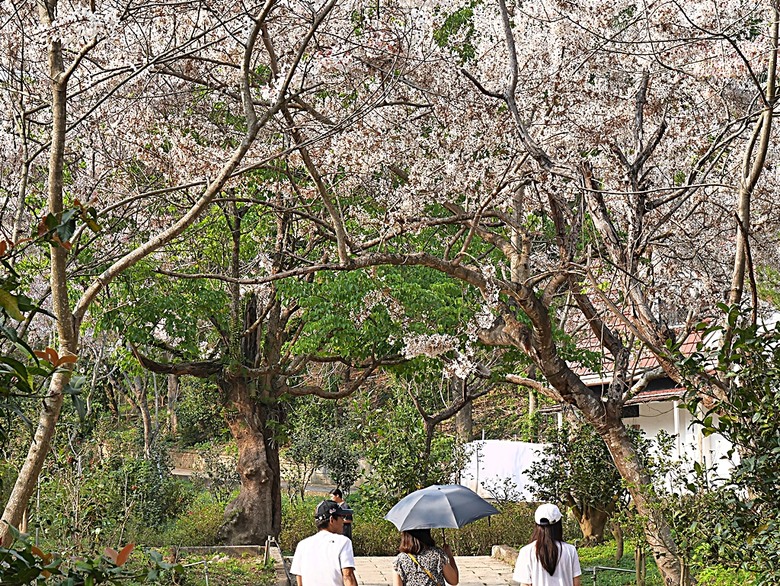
point(575, 565)
point(346, 556)
point(522, 573)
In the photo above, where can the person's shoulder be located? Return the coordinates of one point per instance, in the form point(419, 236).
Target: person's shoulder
point(303, 543)
point(569, 547)
point(528, 547)
point(341, 540)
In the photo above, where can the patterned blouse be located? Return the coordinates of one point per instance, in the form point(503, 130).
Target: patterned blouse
point(431, 558)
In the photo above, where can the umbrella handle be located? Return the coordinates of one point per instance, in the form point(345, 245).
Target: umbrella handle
point(443, 537)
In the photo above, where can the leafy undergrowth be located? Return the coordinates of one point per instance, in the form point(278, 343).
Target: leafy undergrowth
point(220, 570)
point(604, 555)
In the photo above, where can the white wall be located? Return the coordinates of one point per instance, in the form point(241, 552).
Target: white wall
point(500, 461)
point(496, 462)
point(710, 451)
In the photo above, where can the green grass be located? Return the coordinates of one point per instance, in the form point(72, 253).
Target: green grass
point(604, 555)
point(225, 571)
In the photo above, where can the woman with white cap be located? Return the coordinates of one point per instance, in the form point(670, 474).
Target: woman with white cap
point(548, 560)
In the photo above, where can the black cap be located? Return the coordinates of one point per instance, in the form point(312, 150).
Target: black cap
point(327, 509)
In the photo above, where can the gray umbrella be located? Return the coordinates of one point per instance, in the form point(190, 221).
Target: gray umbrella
point(439, 506)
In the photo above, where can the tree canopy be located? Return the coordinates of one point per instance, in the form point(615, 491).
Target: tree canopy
point(530, 191)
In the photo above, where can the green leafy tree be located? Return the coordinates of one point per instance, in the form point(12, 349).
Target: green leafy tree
point(394, 443)
point(318, 438)
point(576, 471)
point(744, 409)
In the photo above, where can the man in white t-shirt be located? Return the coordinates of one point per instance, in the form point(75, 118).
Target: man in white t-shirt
point(326, 558)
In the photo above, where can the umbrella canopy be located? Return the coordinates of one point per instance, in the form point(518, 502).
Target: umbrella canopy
point(439, 506)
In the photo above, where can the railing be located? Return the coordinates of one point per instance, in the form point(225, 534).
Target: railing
point(596, 569)
point(205, 568)
point(270, 542)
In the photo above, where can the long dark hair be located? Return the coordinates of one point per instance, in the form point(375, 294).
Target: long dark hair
point(547, 549)
point(416, 540)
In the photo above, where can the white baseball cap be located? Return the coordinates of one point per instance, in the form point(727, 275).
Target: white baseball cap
point(547, 514)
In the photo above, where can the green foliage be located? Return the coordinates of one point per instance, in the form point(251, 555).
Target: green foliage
point(145, 308)
point(745, 411)
point(197, 525)
point(720, 576)
point(317, 441)
point(217, 570)
point(367, 313)
point(24, 563)
point(768, 279)
point(604, 556)
point(156, 495)
point(23, 372)
point(393, 437)
point(220, 475)
point(95, 490)
point(457, 32)
point(577, 470)
point(342, 462)
point(200, 413)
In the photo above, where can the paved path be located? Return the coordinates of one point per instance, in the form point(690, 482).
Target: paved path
point(474, 571)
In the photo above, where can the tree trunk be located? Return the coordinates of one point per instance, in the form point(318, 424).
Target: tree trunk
point(464, 422)
point(617, 532)
point(256, 512)
point(68, 337)
point(173, 406)
point(640, 565)
point(592, 523)
point(657, 531)
point(146, 417)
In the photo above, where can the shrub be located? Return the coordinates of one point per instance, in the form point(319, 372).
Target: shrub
point(156, 495)
point(226, 571)
point(200, 414)
point(196, 526)
point(373, 535)
point(719, 576)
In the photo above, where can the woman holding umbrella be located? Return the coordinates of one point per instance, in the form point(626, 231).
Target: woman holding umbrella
point(421, 563)
point(548, 560)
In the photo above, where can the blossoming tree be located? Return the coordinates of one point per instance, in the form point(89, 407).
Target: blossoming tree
point(138, 115)
point(591, 165)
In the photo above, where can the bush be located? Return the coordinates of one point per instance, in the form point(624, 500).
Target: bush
point(200, 413)
point(719, 576)
point(373, 535)
point(226, 571)
point(196, 526)
point(156, 495)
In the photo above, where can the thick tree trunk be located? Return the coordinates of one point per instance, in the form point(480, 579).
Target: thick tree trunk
point(593, 523)
point(257, 511)
point(657, 531)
